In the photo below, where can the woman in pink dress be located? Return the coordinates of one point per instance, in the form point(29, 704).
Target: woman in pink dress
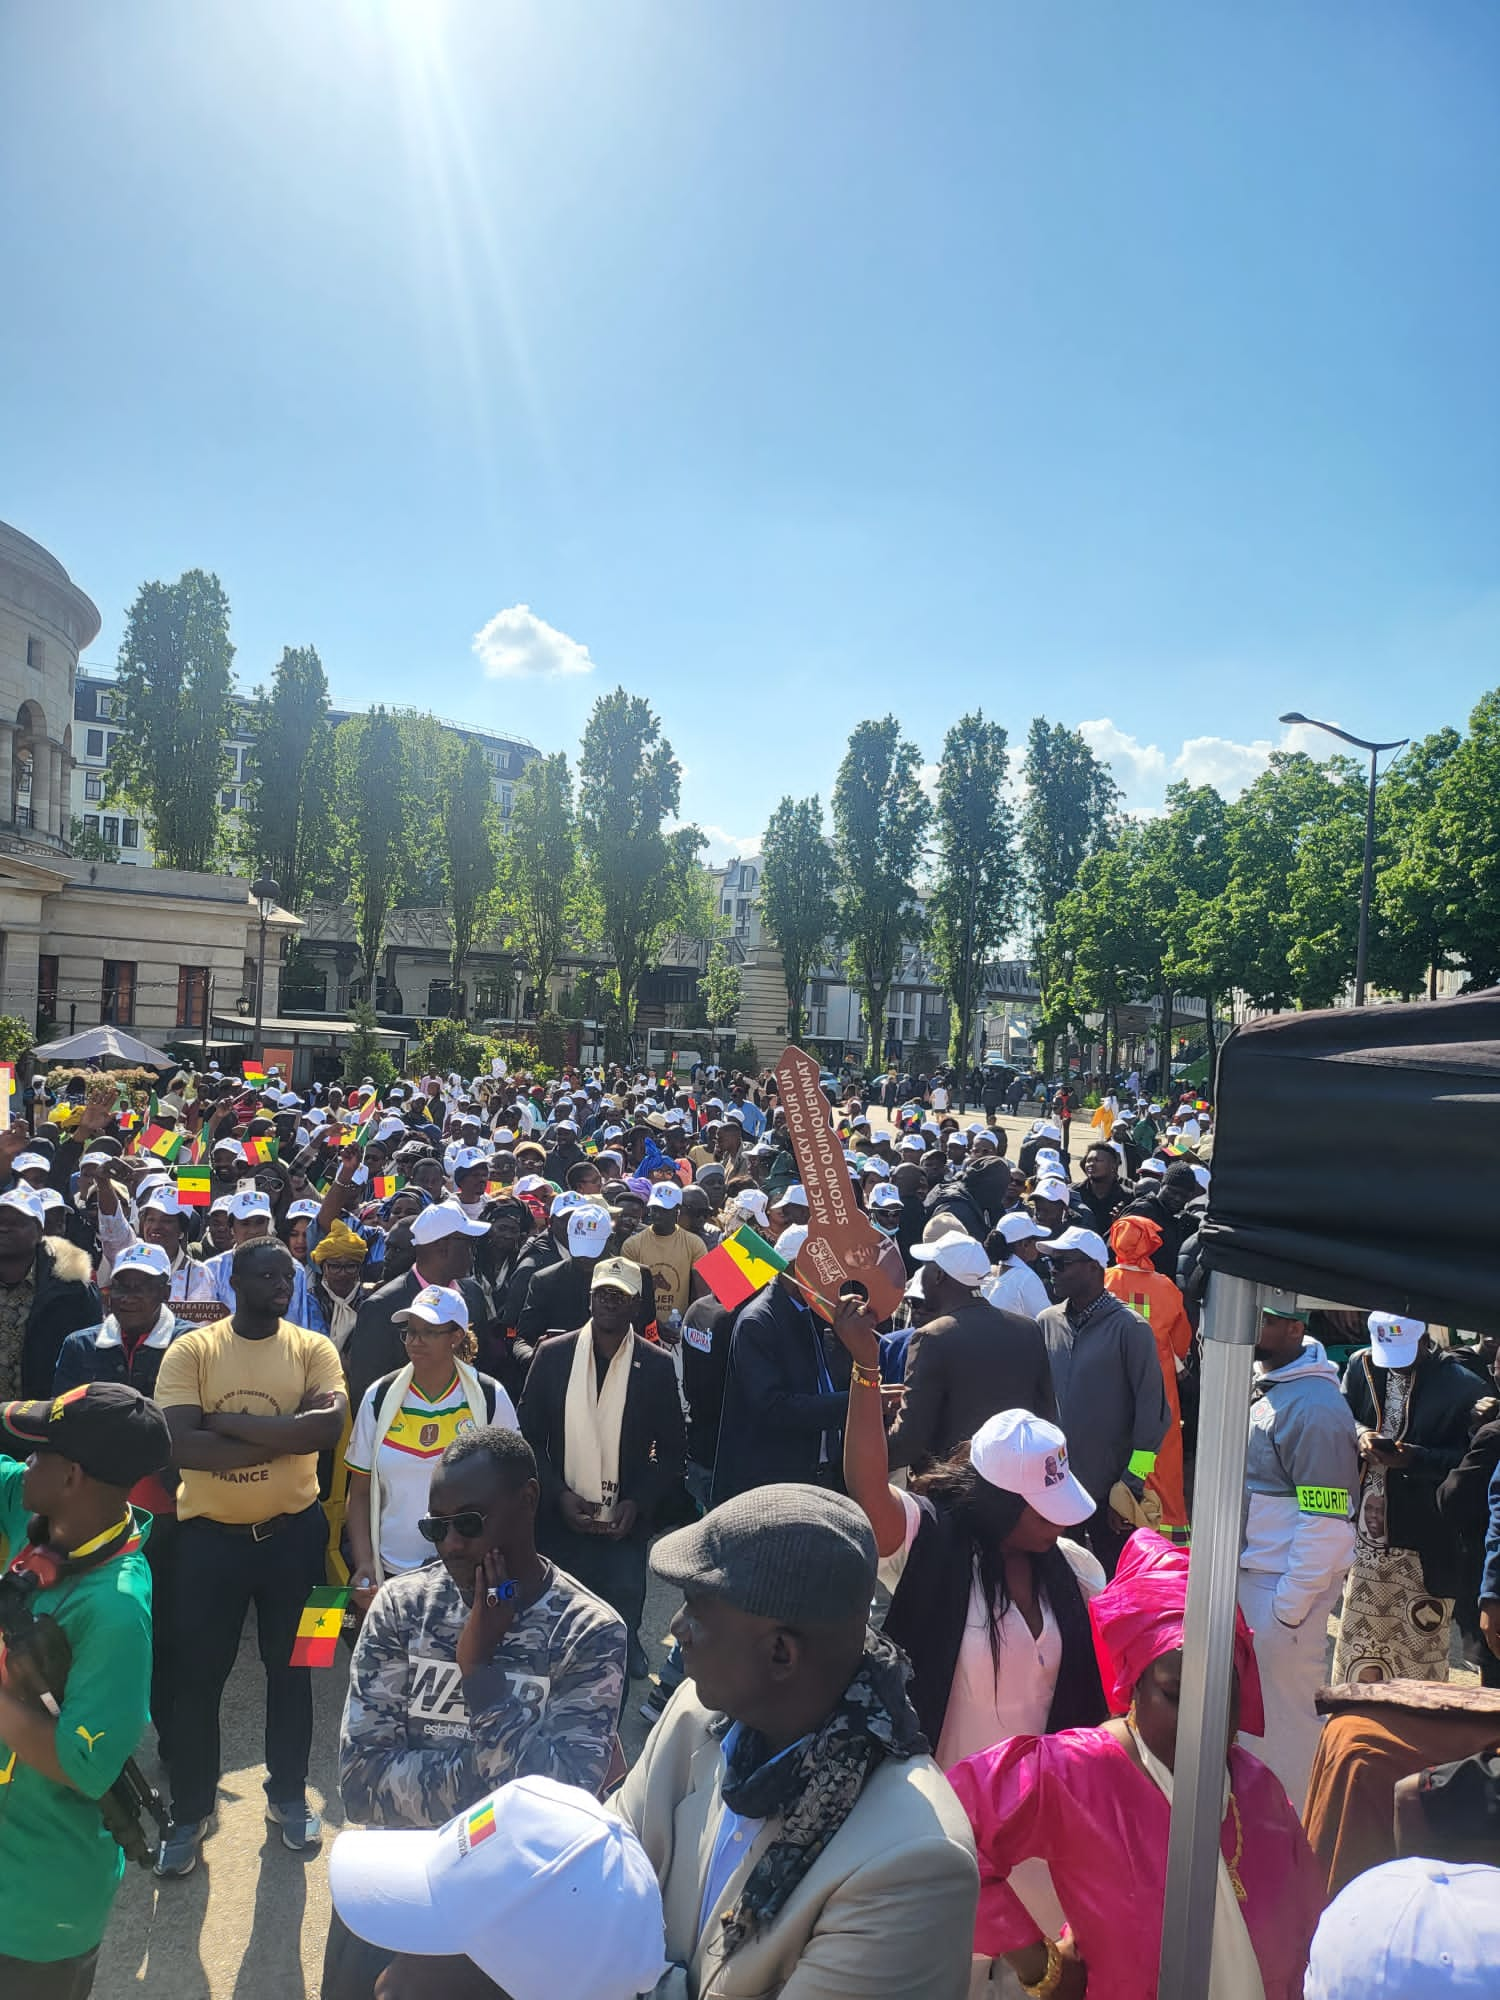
point(1093, 1806)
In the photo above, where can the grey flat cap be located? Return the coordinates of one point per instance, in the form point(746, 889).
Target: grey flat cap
point(798, 1554)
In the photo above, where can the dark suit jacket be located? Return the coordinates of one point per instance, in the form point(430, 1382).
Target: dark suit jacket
point(652, 1442)
point(375, 1345)
point(557, 1301)
point(775, 1415)
point(963, 1369)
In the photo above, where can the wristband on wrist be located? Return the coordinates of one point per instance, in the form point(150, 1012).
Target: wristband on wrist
point(1051, 1979)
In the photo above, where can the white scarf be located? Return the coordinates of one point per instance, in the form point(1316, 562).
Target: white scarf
point(341, 1315)
point(386, 1415)
point(591, 1421)
point(1236, 1969)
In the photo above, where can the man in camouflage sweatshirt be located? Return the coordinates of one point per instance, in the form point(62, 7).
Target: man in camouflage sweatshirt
point(489, 1664)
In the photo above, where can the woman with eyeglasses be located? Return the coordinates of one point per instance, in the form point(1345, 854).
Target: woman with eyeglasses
point(405, 1423)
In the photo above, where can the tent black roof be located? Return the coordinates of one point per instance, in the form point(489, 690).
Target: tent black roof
point(1357, 1157)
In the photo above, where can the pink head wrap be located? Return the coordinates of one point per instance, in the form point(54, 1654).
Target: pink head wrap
point(1138, 1617)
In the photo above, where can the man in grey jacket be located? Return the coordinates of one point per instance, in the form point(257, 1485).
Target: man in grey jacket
point(1111, 1399)
point(1301, 1476)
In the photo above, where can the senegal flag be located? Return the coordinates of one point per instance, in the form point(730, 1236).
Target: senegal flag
point(739, 1267)
point(318, 1628)
point(162, 1141)
point(259, 1151)
point(194, 1186)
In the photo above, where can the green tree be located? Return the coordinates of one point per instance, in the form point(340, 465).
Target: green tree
point(1196, 870)
point(720, 986)
point(174, 675)
point(287, 819)
point(1291, 900)
point(629, 786)
point(1069, 814)
point(374, 817)
point(470, 866)
point(797, 903)
point(539, 880)
point(974, 900)
point(880, 817)
point(1442, 885)
point(365, 1055)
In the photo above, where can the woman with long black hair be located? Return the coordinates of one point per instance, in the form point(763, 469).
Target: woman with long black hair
point(989, 1601)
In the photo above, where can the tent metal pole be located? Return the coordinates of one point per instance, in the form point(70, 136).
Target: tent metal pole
point(1231, 1318)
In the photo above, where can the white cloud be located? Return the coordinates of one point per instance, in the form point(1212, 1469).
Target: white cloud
point(927, 778)
point(724, 846)
point(1144, 770)
point(517, 645)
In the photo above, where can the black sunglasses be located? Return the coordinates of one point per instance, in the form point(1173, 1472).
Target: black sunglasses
point(433, 1527)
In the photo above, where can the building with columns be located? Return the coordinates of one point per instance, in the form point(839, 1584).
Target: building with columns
point(45, 623)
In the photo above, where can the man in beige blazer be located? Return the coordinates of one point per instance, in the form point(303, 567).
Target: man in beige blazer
point(806, 1844)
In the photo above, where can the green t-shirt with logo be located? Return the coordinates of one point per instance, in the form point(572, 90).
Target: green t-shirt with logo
point(59, 1865)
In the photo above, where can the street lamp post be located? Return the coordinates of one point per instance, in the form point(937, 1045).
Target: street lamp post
point(267, 892)
point(1368, 882)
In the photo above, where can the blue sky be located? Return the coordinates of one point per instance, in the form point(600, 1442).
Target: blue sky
point(788, 363)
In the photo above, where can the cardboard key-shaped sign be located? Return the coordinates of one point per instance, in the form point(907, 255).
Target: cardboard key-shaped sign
point(843, 1247)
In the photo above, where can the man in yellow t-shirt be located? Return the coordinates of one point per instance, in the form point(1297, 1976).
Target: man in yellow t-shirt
point(250, 1402)
point(667, 1252)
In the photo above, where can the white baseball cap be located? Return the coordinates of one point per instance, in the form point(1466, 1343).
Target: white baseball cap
point(247, 1202)
point(795, 1197)
point(873, 1164)
point(229, 1146)
point(911, 1144)
point(752, 1202)
point(958, 1256)
point(791, 1242)
point(1085, 1241)
point(1151, 1167)
point(301, 1208)
point(531, 1184)
point(546, 1890)
point(588, 1231)
point(162, 1200)
point(31, 1163)
point(1047, 1130)
point(445, 1218)
point(467, 1158)
point(1393, 1340)
point(1019, 1227)
point(1024, 1454)
point(567, 1201)
point(884, 1196)
point(143, 1257)
point(665, 1194)
point(436, 1305)
point(1410, 1930)
point(1052, 1189)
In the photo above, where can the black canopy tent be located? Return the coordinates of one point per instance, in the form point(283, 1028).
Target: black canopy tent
point(1353, 1158)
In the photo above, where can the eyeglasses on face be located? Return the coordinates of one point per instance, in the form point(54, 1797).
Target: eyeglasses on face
point(434, 1527)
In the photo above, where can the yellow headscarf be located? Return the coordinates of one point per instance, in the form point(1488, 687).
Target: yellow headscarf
point(340, 1245)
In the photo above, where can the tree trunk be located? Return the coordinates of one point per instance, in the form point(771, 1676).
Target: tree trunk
point(1165, 1058)
point(1213, 1046)
point(456, 1007)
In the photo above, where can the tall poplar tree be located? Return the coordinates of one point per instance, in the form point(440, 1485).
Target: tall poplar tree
point(880, 817)
point(797, 902)
point(287, 813)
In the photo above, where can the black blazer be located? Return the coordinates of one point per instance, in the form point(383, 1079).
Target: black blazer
point(652, 1441)
point(775, 1415)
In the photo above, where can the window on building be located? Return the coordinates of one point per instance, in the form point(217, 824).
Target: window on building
point(229, 798)
point(105, 705)
point(93, 743)
point(117, 993)
point(110, 742)
point(110, 828)
point(192, 995)
point(820, 992)
point(130, 833)
point(93, 787)
point(91, 823)
point(46, 986)
point(439, 997)
point(505, 799)
point(36, 652)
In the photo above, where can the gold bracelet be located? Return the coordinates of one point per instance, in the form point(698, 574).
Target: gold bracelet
point(1051, 1979)
point(867, 1378)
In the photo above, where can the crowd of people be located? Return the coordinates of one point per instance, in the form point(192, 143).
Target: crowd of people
point(459, 1358)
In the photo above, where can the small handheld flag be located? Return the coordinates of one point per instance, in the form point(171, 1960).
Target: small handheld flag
point(741, 1265)
point(259, 1151)
point(194, 1186)
point(162, 1141)
point(253, 1072)
point(383, 1186)
point(318, 1628)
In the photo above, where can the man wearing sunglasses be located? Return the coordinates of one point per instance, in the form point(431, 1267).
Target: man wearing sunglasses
point(489, 1664)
